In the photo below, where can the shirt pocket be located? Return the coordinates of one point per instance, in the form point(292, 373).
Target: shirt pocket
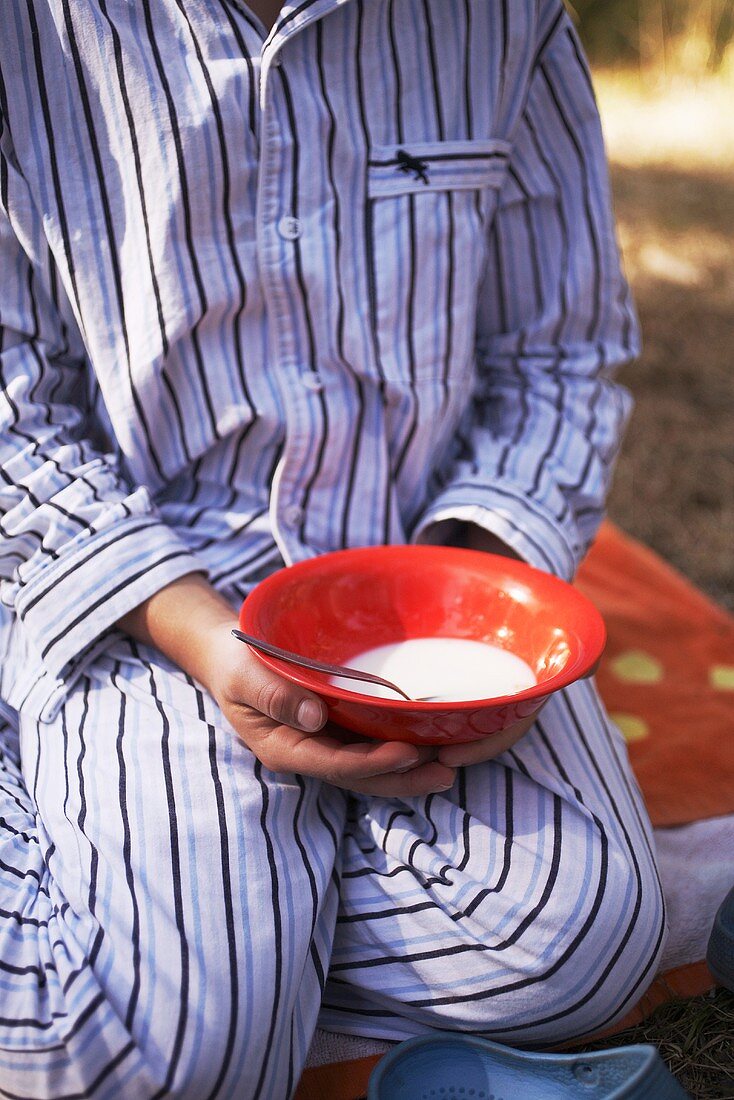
point(430, 205)
point(420, 167)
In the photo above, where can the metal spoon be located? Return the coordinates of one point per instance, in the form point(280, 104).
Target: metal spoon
point(322, 666)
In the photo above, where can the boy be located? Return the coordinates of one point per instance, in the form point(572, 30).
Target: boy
point(265, 294)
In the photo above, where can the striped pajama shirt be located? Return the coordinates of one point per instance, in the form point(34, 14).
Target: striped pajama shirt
point(262, 297)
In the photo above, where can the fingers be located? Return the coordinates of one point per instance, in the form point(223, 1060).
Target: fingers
point(387, 768)
point(476, 752)
point(284, 724)
point(326, 755)
point(427, 779)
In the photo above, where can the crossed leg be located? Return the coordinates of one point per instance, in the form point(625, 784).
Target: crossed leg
point(167, 905)
point(169, 908)
point(523, 905)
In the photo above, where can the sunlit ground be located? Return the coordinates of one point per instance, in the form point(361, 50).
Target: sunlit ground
point(671, 147)
point(656, 120)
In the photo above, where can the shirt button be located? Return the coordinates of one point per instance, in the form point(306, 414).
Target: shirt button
point(312, 381)
point(290, 228)
point(293, 515)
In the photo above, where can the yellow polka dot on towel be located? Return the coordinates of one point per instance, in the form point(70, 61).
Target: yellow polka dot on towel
point(637, 667)
point(632, 727)
point(722, 677)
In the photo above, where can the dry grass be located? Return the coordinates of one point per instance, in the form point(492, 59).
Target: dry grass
point(695, 1038)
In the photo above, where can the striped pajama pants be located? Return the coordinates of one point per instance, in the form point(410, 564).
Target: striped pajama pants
point(176, 920)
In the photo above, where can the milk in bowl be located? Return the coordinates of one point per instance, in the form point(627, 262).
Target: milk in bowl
point(445, 669)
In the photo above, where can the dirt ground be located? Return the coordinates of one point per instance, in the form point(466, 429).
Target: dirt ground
point(674, 487)
point(670, 141)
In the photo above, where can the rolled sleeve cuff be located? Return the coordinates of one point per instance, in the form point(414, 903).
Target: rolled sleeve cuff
point(71, 603)
point(520, 522)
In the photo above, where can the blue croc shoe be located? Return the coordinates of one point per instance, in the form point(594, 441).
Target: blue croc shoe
point(445, 1066)
point(720, 952)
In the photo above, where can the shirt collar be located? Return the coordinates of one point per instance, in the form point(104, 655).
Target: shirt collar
point(293, 18)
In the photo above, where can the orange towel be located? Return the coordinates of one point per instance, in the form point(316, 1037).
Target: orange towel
point(667, 678)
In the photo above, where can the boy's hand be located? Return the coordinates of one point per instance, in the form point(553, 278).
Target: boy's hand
point(285, 727)
point(475, 752)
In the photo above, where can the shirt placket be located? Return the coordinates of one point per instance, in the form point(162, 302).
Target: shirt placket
point(279, 229)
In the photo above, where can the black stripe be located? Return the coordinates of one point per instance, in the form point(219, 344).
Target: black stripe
point(26, 873)
point(350, 494)
point(564, 311)
point(226, 212)
point(624, 938)
point(391, 911)
point(120, 68)
point(468, 70)
point(127, 855)
point(108, 224)
point(522, 381)
point(178, 908)
point(371, 266)
point(496, 155)
point(309, 871)
point(543, 45)
point(508, 847)
point(228, 897)
point(505, 57)
point(188, 228)
point(274, 909)
point(403, 452)
point(585, 190)
point(407, 956)
point(306, 312)
point(48, 127)
point(222, 540)
point(502, 491)
point(583, 65)
point(28, 838)
point(425, 883)
point(81, 822)
point(151, 263)
point(97, 547)
point(28, 811)
point(450, 243)
point(283, 23)
point(246, 565)
point(368, 209)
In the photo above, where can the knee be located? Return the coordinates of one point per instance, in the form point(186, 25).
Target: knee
point(571, 966)
point(618, 957)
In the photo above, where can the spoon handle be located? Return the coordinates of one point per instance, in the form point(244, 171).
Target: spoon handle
point(318, 666)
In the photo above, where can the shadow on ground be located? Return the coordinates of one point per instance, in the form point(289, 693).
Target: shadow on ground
point(674, 488)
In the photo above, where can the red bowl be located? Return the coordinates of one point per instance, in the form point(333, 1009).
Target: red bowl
point(337, 605)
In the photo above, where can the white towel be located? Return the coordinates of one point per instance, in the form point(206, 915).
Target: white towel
point(697, 871)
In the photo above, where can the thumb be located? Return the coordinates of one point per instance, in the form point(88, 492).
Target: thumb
point(284, 702)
